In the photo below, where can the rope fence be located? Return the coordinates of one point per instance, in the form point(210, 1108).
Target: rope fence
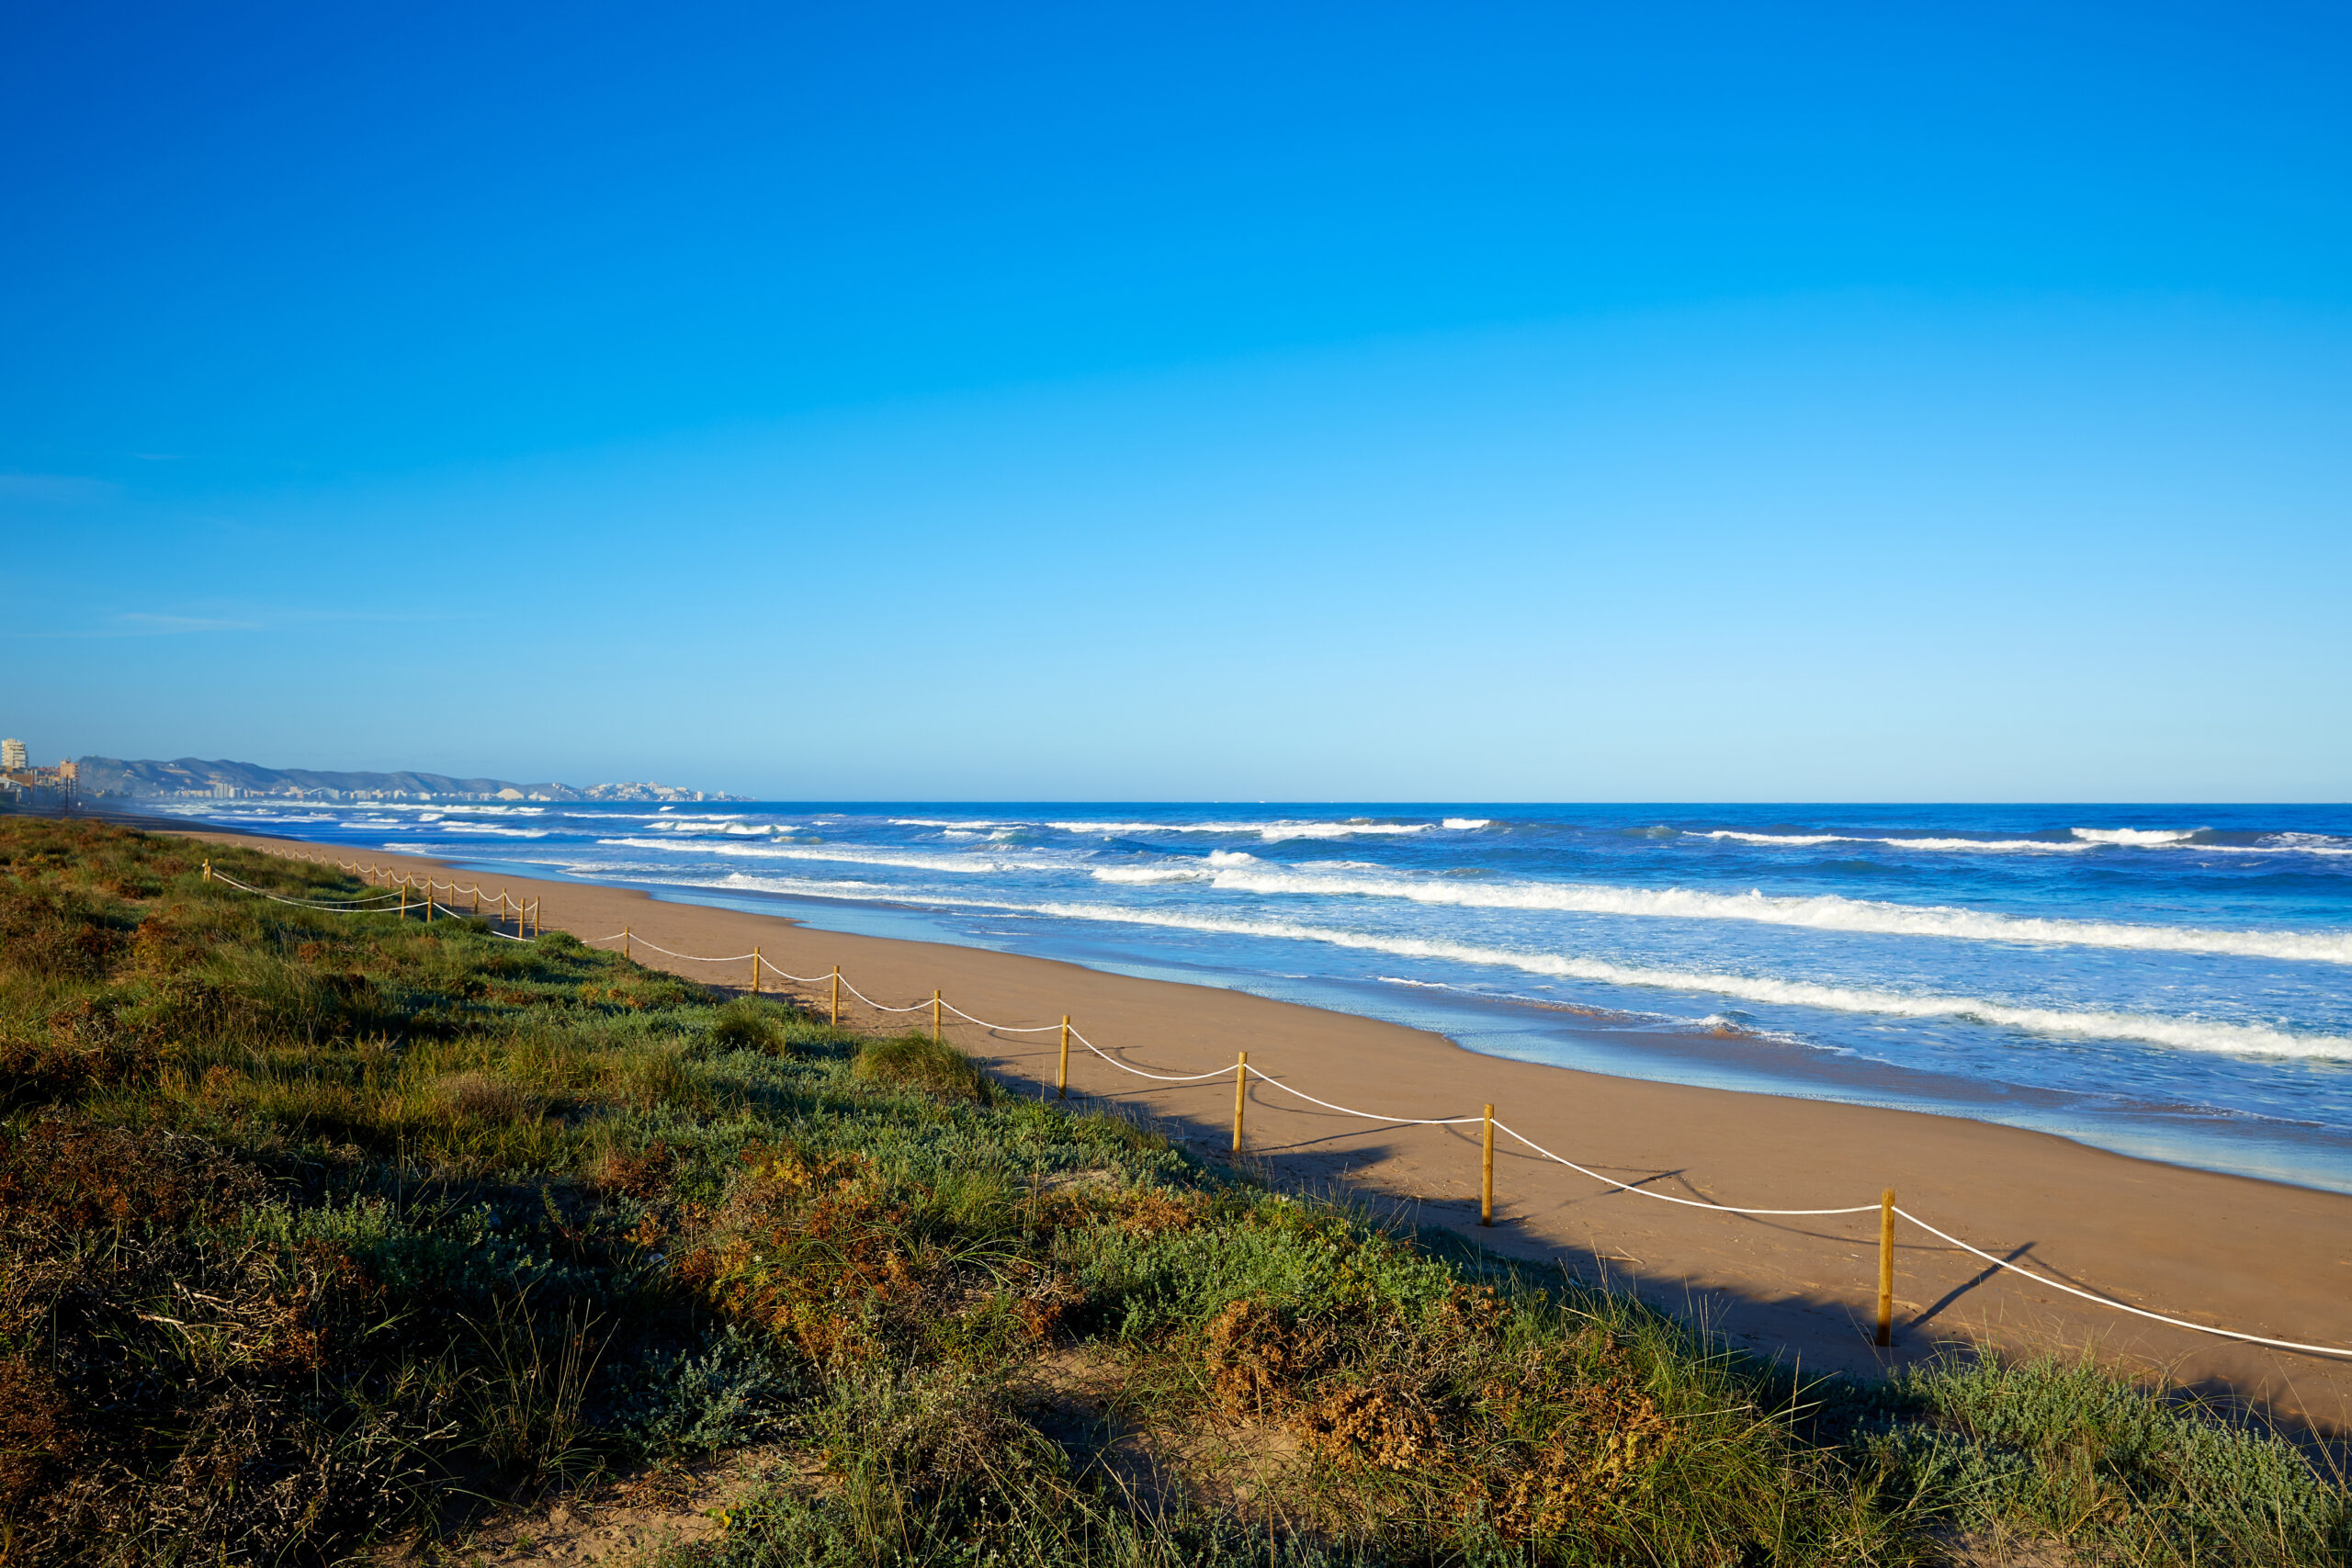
point(527, 920)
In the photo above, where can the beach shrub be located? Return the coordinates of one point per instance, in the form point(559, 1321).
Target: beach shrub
point(2064, 1450)
point(917, 1061)
point(746, 1025)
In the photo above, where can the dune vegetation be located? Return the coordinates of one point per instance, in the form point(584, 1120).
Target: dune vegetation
point(327, 1237)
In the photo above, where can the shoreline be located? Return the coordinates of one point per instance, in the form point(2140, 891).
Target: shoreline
point(1623, 1045)
point(2135, 1052)
point(2242, 1252)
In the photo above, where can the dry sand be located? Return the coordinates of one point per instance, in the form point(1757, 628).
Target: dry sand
point(2259, 1257)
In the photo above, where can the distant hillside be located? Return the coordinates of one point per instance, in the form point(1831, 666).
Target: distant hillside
point(193, 776)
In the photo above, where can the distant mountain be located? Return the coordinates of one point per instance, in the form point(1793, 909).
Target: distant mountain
point(194, 777)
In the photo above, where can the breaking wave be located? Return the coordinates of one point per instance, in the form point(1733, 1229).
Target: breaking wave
point(1819, 912)
point(1271, 832)
point(963, 865)
point(2187, 1034)
point(2060, 846)
point(2081, 839)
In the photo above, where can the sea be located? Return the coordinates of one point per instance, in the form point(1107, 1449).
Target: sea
point(2171, 982)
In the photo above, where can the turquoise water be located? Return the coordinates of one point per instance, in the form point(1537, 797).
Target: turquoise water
point(2171, 981)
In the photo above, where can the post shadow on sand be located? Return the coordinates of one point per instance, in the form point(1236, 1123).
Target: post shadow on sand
point(1982, 1277)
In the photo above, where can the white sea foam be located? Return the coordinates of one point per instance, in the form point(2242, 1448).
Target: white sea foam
point(1465, 824)
point(1269, 832)
point(1821, 912)
point(2183, 1033)
point(2085, 838)
point(1799, 841)
point(864, 890)
point(961, 864)
point(2279, 844)
point(830, 889)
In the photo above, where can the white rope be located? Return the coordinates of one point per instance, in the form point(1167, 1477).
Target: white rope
point(878, 1007)
point(1261, 1076)
point(1670, 1198)
point(683, 957)
point(999, 1028)
point(1393, 1121)
point(381, 904)
point(1162, 1077)
point(2102, 1301)
point(220, 875)
point(325, 907)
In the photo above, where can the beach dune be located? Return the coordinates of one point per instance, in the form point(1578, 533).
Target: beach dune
point(2257, 1256)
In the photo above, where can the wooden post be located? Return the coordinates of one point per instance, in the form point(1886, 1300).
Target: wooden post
point(428, 903)
point(1886, 1268)
point(755, 971)
point(625, 941)
point(403, 900)
point(934, 1018)
point(834, 1017)
point(1061, 1080)
point(1486, 1174)
point(536, 903)
point(1240, 1090)
point(208, 869)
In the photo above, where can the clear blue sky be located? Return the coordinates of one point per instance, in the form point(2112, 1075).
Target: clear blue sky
point(1268, 401)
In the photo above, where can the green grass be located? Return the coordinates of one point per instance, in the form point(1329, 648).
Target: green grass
point(320, 1232)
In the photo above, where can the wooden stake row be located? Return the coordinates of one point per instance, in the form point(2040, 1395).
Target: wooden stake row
point(526, 917)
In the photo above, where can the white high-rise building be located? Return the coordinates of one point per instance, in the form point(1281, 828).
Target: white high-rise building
point(12, 756)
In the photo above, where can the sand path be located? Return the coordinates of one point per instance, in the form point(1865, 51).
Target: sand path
point(2231, 1251)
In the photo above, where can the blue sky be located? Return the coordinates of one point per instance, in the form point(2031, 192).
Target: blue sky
point(1481, 402)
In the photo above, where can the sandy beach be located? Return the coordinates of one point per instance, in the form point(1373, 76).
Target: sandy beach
point(2256, 1257)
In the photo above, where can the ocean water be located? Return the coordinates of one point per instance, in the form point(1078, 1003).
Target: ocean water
point(2173, 982)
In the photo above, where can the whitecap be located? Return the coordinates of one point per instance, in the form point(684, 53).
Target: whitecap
point(2138, 838)
point(1802, 840)
point(1818, 912)
point(1269, 832)
point(1134, 874)
point(2183, 1033)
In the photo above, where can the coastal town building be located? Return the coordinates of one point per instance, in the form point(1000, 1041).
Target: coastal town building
point(25, 785)
point(192, 779)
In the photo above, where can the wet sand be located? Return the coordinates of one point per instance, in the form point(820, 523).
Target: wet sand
point(2235, 1252)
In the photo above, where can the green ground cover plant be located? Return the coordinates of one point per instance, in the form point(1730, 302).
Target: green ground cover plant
point(321, 1233)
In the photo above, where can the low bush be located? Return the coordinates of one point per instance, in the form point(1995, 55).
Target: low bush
point(746, 1025)
point(917, 1061)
